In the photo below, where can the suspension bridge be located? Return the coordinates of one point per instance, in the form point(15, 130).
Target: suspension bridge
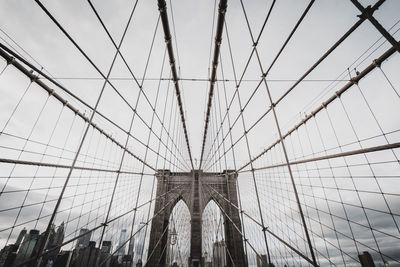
point(199, 133)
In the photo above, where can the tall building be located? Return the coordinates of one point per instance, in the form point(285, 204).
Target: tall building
point(366, 259)
point(126, 261)
point(54, 241)
point(82, 243)
point(64, 259)
point(7, 255)
point(262, 260)
point(122, 243)
point(84, 240)
point(9, 252)
point(20, 236)
point(106, 246)
point(87, 255)
point(59, 237)
point(114, 261)
point(138, 241)
point(139, 246)
point(219, 254)
point(105, 253)
point(51, 235)
point(132, 243)
point(27, 247)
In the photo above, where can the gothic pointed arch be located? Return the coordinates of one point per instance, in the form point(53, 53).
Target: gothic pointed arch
point(196, 189)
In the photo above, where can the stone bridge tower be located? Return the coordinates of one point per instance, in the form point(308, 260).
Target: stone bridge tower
point(196, 189)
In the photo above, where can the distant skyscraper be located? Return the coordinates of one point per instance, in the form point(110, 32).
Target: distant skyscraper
point(366, 259)
point(63, 259)
point(84, 240)
point(87, 255)
point(55, 239)
point(27, 247)
point(139, 245)
point(106, 246)
point(132, 243)
point(59, 237)
point(126, 261)
point(105, 253)
point(262, 260)
point(8, 254)
point(219, 254)
point(20, 237)
point(121, 243)
point(51, 235)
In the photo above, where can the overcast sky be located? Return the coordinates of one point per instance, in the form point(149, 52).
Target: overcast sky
point(359, 119)
point(327, 20)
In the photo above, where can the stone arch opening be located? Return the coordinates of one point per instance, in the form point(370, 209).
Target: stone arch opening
point(179, 234)
point(196, 189)
point(213, 233)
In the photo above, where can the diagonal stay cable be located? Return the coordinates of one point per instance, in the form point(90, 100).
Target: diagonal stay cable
point(106, 78)
point(143, 78)
point(332, 156)
point(367, 13)
point(311, 250)
point(301, 79)
point(376, 63)
point(154, 178)
point(146, 223)
point(101, 225)
point(62, 166)
point(284, 149)
point(126, 144)
point(299, 21)
point(11, 59)
point(265, 229)
point(52, 218)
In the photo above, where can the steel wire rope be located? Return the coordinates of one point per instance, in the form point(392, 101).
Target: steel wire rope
point(139, 84)
point(326, 54)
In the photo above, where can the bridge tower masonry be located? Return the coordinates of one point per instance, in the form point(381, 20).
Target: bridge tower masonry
point(196, 189)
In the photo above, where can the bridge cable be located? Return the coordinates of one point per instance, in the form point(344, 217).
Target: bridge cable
point(143, 78)
point(162, 6)
point(217, 45)
point(107, 81)
point(328, 52)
